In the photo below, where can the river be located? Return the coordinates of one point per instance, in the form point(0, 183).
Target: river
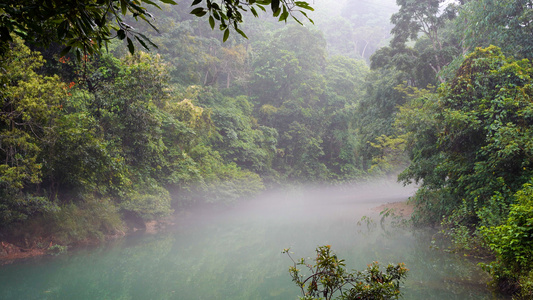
point(235, 253)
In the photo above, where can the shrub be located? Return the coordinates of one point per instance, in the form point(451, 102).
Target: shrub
point(87, 220)
point(512, 243)
point(329, 279)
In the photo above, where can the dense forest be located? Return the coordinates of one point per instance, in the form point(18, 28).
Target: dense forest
point(97, 131)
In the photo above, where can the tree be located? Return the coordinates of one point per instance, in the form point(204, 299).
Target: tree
point(86, 26)
point(233, 64)
point(29, 105)
point(422, 16)
point(344, 90)
point(376, 110)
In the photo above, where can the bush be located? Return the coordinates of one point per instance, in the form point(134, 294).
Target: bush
point(329, 279)
point(90, 219)
point(512, 243)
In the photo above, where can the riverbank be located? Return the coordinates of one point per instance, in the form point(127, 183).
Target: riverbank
point(22, 247)
point(9, 252)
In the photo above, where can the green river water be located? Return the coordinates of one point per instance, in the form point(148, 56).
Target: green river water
point(235, 253)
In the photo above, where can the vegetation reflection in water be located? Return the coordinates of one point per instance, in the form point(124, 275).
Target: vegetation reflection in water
point(236, 254)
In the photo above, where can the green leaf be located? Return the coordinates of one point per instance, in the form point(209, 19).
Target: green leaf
point(198, 12)
point(146, 39)
point(169, 2)
point(226, 35)
point(142, 43)
point(99, 21)
point(284, 15)
point(274, 5)
point(123, 6)
point(310, 20)
point(131, 48)
point(195, 2)
point(212, 22)
point(254, 12)
point(241, 33)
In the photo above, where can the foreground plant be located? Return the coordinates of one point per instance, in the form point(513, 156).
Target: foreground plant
point(330, 280)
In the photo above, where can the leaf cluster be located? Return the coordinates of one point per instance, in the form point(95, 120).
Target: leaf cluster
point(84, 27)
point(228, 14)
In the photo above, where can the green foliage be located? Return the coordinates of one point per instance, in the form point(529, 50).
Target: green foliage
point(345, 78)
point(470, 147)
point(29, 105)
point(83, 27)
point(78, 159)
point(392, 155)
point(330, 279)
point(459, 227)
point(512, 243)
point(228, 14)
point(310, 101)
point(57, 249)
point(415, 17)
point(17, 206)
point(151, 203)
point(375, 112)
point(240, 138)
point(232, 184)
point(89, 219)
point(479, 142)
point(502, 23)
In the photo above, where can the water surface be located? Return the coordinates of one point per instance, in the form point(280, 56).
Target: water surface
point(235, 253)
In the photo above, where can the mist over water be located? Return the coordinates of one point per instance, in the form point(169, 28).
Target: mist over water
point(235, 252)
